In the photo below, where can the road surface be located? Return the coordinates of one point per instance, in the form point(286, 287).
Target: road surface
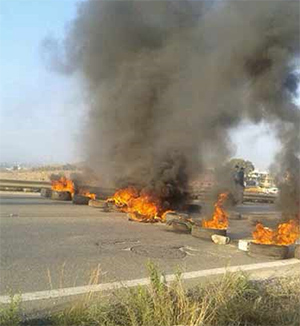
point(48, 244)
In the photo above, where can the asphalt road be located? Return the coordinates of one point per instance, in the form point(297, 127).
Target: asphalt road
point(49, 244)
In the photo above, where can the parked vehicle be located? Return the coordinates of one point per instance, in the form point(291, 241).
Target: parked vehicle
point(272, 191)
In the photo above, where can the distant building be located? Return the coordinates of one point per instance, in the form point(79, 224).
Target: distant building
point(260, 179)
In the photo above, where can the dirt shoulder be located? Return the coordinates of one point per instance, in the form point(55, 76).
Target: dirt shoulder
point(32, 175)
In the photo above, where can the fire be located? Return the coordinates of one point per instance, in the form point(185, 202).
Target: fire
point(122, 198)
point(63, 184)
point(220, 216)
point(87, 194)
point(141, 207)
point(286, 233)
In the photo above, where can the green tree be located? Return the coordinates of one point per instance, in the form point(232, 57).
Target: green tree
point(247, 165)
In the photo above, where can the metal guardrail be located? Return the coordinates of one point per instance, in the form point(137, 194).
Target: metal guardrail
point(20, 185)
point(6, 183)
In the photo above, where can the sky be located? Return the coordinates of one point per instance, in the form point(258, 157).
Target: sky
point(41, 112)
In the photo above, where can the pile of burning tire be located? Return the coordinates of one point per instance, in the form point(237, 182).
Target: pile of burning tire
point(277, 244)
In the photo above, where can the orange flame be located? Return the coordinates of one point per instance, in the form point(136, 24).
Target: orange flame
point(220, 217)
point(141, 207)
point(87, 194)
point(286, 233)
point(63, 184)
point(122, 197)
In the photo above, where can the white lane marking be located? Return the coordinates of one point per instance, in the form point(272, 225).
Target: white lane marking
point(51, 294)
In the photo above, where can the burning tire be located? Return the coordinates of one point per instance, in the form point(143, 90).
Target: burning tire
point(274, 251)
point(46, 193)
point(61, 195)
point(80, 200)
point(206, 233)
point(101, 204)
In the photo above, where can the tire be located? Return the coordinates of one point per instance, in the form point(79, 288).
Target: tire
point(61, 195)
point(112, 207)
point(98, 203)
point(181, 227)
point(171, 217)
point(206, 233)
point(297, 251)
point(46, 193)
point(176, 216)
point(276, 252)
point(80, 200)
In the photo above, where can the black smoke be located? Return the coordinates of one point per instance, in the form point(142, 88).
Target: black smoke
point(167, 80)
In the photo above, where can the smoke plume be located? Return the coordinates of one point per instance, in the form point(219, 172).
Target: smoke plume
point(167, 80)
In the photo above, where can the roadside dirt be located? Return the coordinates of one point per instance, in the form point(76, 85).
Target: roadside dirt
point(42, 175)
